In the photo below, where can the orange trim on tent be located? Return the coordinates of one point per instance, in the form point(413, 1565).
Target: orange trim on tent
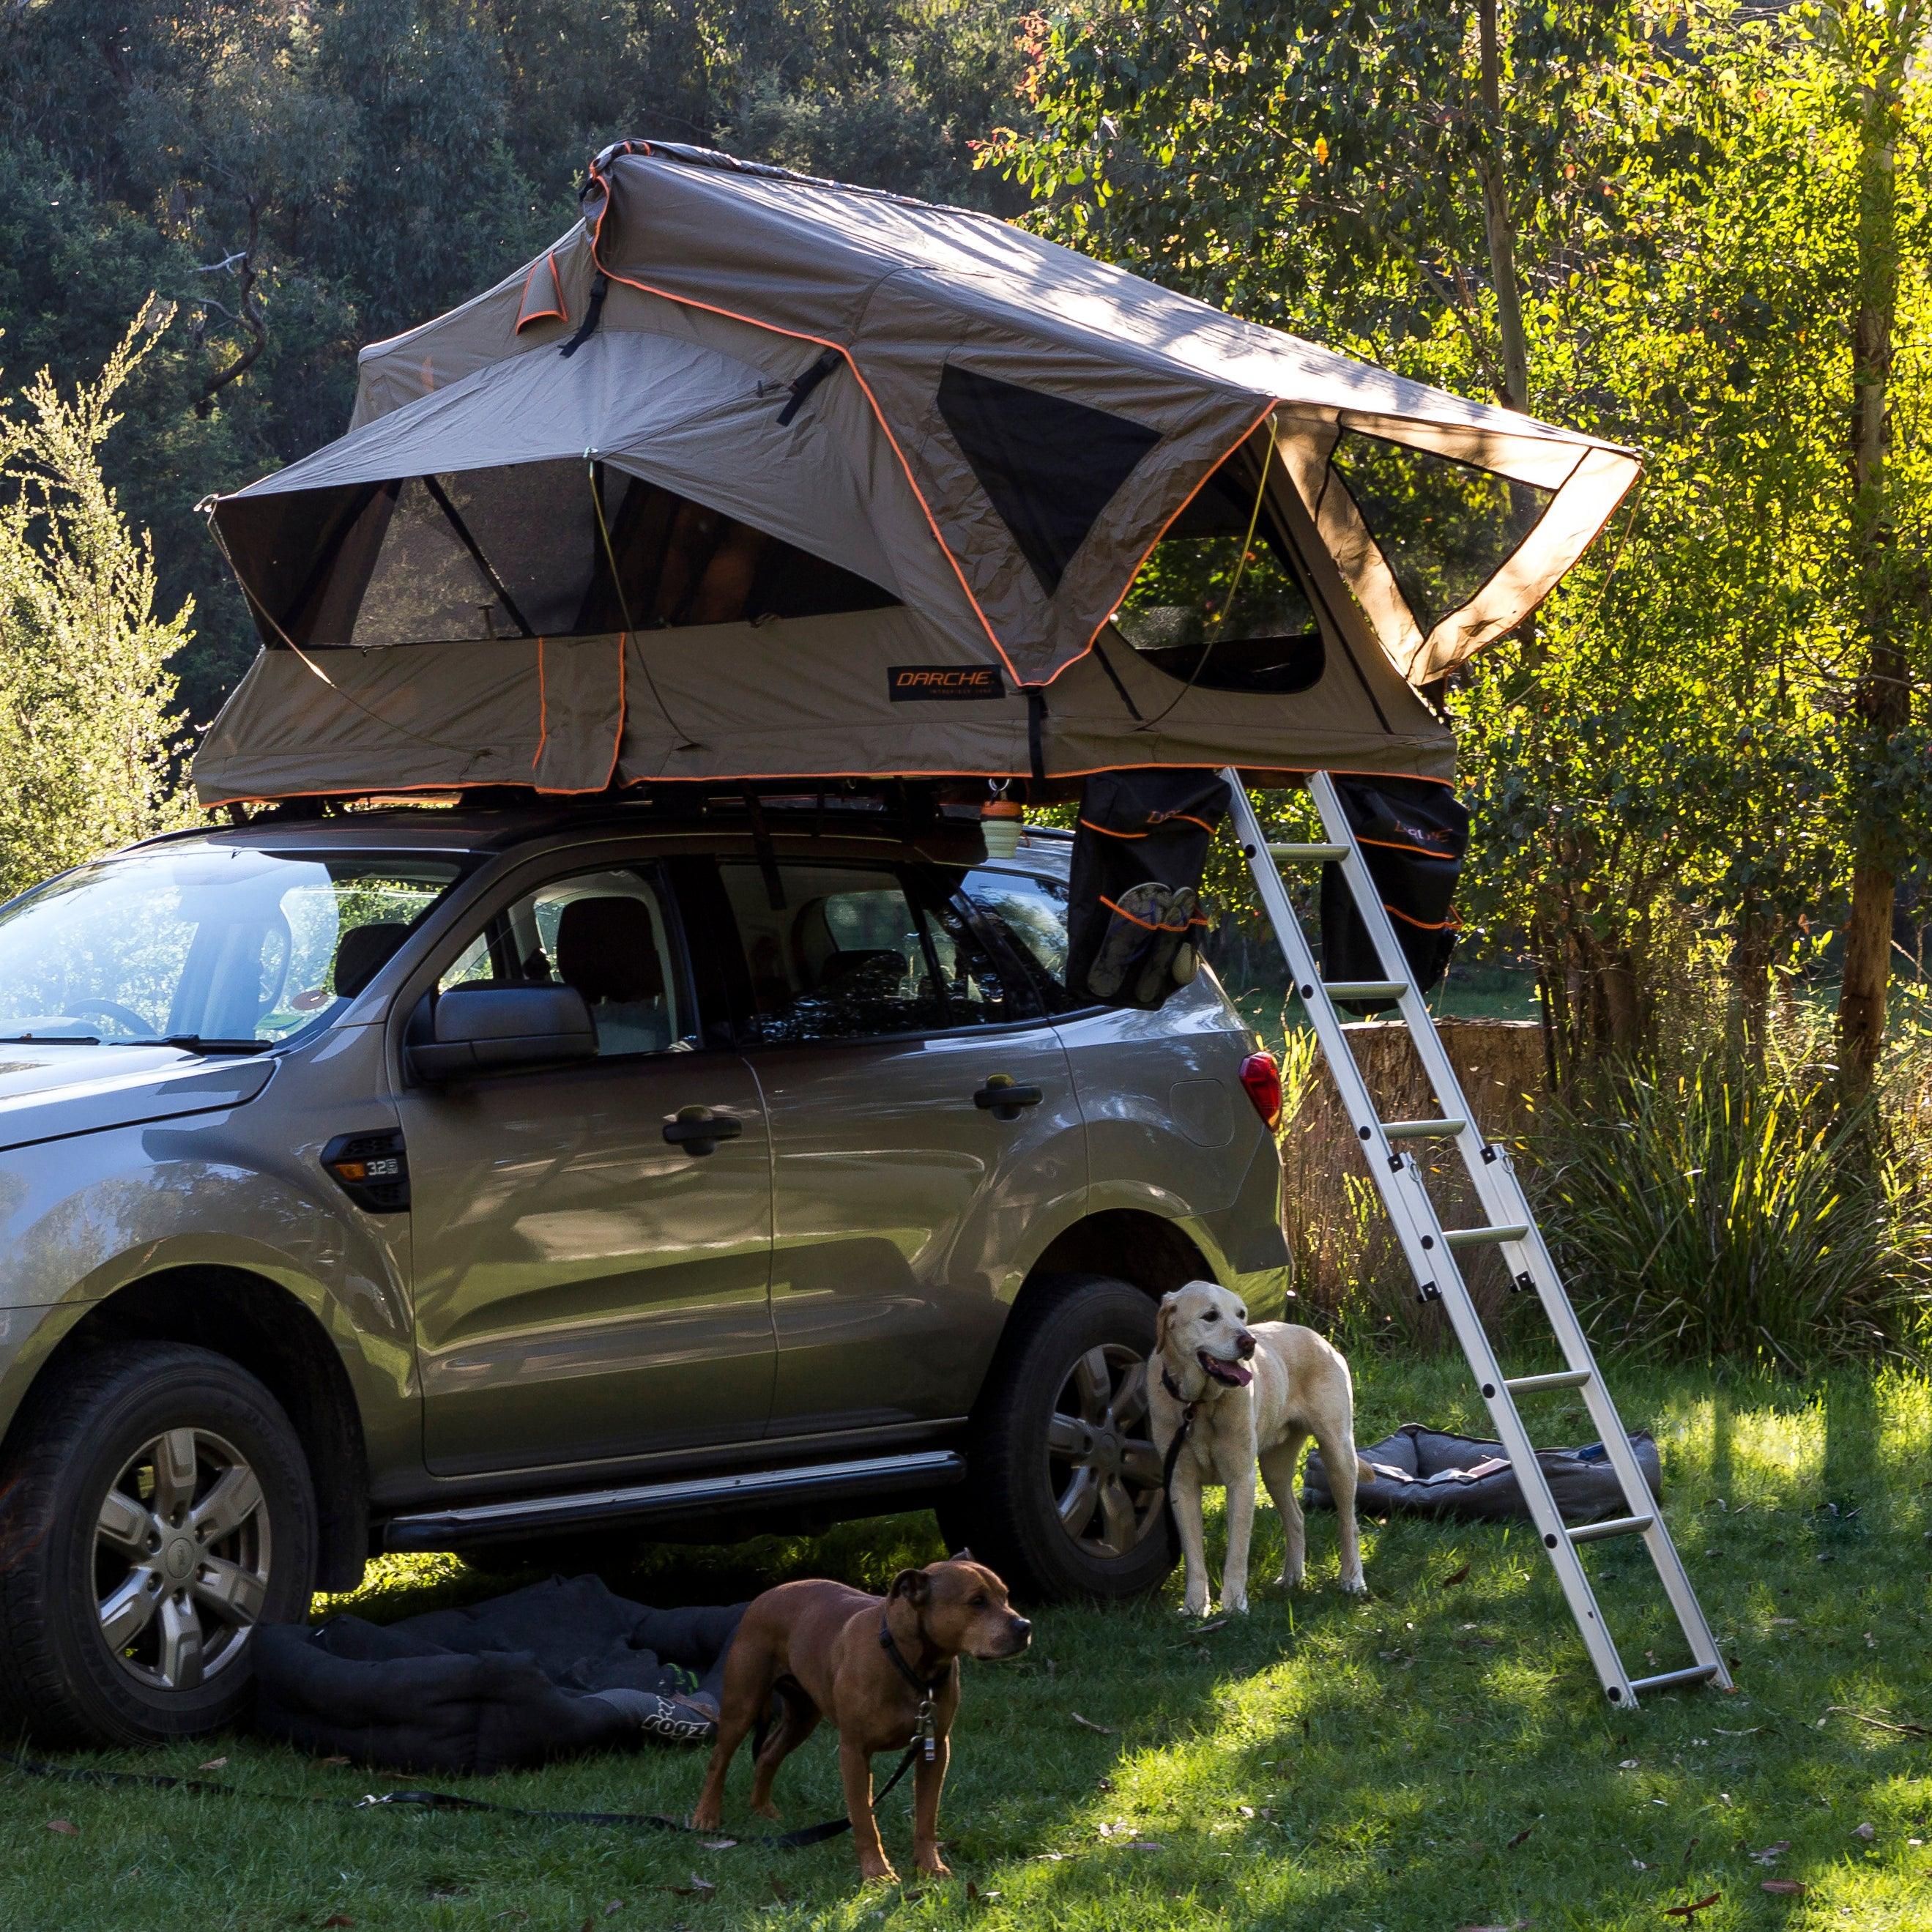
point(543, 711)
point(1106, 831)
point(1423, 925)
point(838, 348)
point(561, 313)
point(772, 777)
point(1145, 924)
point(1274, 403)
point(1397, 845)
point(616, 739)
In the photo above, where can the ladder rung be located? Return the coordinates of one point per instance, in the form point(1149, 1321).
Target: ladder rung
point(1562, 1378)
point(1416, 1130)
point(1693, 1673)
point(1365, 989)
point(1474, 1237)
point(1618, 1526)
point(1307, 854)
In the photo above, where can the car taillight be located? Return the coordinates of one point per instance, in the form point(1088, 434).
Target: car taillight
point(1261, 1076)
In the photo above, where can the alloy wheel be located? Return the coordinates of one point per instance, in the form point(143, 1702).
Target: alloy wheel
point(182, 1550)
point(1102, 1468)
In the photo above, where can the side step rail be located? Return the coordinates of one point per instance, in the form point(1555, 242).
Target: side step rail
point(1507, 1224)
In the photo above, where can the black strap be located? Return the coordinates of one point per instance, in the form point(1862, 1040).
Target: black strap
point(1173, 1455)
point(905, 1669)
point(445, 1801)
point(806, 383)
point(1113, 678)
point(600, 286)
point(1036, 698)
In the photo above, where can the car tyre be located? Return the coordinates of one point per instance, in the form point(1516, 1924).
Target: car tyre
point(1063, 1495)
point(155, 1505)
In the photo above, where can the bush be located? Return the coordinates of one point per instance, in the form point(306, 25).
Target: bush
point(86, 692)
point(1737, 1210)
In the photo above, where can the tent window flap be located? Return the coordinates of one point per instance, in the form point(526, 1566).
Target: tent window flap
point(1049, 466)
point(1443, 528)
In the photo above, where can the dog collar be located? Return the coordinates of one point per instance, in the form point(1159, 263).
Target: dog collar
point(924, 1730)
point(1173, 1388)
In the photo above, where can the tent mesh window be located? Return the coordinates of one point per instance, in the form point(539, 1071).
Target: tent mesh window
point(1176, 614)
point(1049, 465)
point(1443, 528)
point(517, 553)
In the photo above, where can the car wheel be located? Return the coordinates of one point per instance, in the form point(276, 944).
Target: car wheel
point(155, 1506)
point(1064, 1492)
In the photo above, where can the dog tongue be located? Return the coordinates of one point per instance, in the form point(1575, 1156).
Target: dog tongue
point(1236, 1375)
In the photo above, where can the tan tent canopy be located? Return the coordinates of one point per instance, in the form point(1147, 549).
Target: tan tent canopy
point(755, 476)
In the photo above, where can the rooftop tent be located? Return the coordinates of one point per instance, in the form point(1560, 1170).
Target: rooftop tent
point(752, 475)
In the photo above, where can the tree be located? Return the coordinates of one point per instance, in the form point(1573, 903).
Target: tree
point(86, 726)
point(1871, 46)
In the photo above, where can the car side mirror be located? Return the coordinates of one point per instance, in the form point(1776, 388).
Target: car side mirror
point(476, 1029)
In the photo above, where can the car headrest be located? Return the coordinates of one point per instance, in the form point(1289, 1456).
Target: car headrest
point(607, 949)
point(364, 950)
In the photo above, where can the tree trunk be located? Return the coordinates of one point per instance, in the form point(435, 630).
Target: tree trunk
point(1881, 700)
point(1493, 166)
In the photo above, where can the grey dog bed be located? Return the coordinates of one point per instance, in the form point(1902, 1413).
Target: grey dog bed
point(1422, 1472)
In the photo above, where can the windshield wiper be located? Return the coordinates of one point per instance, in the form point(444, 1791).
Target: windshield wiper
point(49, 1039)
point(196, 1043)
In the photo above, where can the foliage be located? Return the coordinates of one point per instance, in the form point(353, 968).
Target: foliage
point(86, 722)
point(1732, 1212)
point(1670, 768)
point(299, 180)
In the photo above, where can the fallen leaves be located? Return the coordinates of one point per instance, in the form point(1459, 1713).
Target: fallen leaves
point(65, 1827)
point(1769, 1855)
point(1519, 1838)
point(1687, 1913)
point(698, 1889)
point(1088, 1724)
point(718, 1844)
point(1784, 1887)
point(212, 1764)
point(1454, 1577)
point(1514, 1925)
point(1867, 1832)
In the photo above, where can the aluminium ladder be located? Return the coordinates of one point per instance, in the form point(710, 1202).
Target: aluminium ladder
point(1431, 1249)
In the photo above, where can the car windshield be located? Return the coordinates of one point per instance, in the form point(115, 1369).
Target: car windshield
point(218, 947)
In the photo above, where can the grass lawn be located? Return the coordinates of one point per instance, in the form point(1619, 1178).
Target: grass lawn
point(1436, 1756)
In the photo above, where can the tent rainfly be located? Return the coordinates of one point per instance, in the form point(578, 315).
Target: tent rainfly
point(751, 476)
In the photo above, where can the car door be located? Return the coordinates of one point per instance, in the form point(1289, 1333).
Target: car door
point(586, 1290)
point(882, 1031)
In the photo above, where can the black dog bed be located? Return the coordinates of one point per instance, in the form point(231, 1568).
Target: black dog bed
point(1422, 1472)
point(560, 1667)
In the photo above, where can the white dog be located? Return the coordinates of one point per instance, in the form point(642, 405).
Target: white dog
point(1243, 1396)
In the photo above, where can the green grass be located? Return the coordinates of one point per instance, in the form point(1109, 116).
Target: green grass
point(1435, 1757)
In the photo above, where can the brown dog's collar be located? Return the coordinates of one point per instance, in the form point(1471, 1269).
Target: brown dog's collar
point(905, 1670)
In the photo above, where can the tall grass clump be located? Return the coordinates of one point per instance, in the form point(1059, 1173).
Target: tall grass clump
point(1737, 1209)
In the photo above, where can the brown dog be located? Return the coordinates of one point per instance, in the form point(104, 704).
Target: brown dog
point(884, 1670)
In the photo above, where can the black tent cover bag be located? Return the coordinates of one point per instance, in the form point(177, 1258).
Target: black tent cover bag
point(1413, 836)
point(560, 1667)
point(1134, 923)
point(1422, 1472)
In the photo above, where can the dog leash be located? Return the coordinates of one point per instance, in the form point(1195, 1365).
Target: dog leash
point(441, 1800)
point(1188, 1412)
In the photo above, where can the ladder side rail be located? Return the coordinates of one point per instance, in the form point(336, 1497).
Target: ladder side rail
point(1500, 1192)
point(1537, 1262)
point(1413, 1215)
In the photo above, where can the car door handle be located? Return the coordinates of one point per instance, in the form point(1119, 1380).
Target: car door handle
point(698, 1130)
point(1003, 1096)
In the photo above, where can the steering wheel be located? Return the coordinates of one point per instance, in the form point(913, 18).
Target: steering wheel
point(114, 1010)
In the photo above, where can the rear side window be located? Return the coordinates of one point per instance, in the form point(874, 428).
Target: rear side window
point(1028, 917)
point(857, 951)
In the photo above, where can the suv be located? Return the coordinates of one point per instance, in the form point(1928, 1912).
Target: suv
point(478, 1179)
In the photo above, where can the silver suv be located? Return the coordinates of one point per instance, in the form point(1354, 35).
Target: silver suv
point(489, 1180)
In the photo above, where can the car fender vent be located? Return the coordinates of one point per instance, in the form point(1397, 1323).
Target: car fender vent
point(371, 1169)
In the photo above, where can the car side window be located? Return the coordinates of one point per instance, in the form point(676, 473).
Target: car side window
point(604, 932)
point(1028, 915)
point(854, 952)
